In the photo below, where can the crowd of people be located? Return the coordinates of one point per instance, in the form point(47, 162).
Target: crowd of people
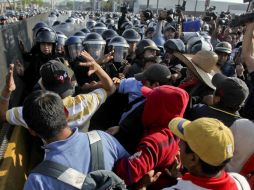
point(173, 109)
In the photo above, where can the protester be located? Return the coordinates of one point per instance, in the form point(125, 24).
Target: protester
point(46, 116)
point(80, 107)
point(206, 168)
point(130, 124)
point(158, 148)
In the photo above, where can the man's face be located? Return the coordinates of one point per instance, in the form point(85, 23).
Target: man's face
point(234, 40)
point(183, 154)
point(150, 53)
point(132, 48)
point(169, 34)
point(222, 58)
point(46, 48)
point(149, 34)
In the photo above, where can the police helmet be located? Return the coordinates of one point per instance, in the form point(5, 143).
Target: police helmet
point(94, 38)
point(70, 20)
point(196, 44)
point(144, 45)
point(46, 36)
point(136, 22)
point(120, 47)
point(94, 45)
point(99, 28)
point(223, 47)
point(90, 24)
point(131, 35)
point(118, 41)
point(39, 25)
point(56, 23)
point(126, 25)
point(109, 34)
point(81, 35)
point(73, 47)
point(110, 22)
point(175, 45)
point(85, 30)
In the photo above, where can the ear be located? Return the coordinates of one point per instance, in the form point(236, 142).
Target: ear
point(32, 132)
point(216, 100)
point(193, 160)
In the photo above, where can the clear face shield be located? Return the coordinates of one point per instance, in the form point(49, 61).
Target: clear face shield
point(120, 53)
point(60, 44)
point(74, 51)
point(96, 50)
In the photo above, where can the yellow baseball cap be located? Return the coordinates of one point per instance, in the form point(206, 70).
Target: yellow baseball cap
point(209, 138)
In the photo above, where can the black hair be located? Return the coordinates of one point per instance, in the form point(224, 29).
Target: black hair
point(207, 168)
point(43, 111)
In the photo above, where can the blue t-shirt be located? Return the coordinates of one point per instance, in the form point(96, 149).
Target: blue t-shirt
point(74, 152)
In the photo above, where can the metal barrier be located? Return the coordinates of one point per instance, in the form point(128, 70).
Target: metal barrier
point(13, 142)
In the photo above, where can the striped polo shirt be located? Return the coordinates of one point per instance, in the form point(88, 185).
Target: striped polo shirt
point(81, 108)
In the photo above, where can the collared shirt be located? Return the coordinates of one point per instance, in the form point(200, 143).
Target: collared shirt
point(81, 108)
point(74, 152)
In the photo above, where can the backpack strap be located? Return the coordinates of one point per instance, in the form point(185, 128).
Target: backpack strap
point(97, 157)
point(69, 175)
point(65, 174)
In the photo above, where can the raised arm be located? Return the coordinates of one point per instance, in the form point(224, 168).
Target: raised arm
point(6, 93)
point(247, 47)
point(105, 81)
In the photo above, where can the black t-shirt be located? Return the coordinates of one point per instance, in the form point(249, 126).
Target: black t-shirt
point(202, 110)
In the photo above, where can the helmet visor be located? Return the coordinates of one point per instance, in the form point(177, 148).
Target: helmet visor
point(96, 50)
point(74, 51)
point(120, 53)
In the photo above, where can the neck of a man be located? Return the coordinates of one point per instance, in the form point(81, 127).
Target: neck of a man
point(62, 135)
point(202, 174)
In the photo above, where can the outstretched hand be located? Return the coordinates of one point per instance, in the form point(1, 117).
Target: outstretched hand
point(9, 82)
point(149, 178)
point(106, 58)
point(89, 62)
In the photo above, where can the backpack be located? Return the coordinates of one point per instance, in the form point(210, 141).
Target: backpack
point(248, 171)
point(98, 179)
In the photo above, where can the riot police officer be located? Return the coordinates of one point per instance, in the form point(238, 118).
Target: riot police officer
point(73, 48)
point(94, 44)
point(132, 37)
point(120, 48)
point(146, 50)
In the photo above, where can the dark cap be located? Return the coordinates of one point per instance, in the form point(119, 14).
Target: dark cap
point(156, 73)
point(232, 91)
point(54, 75)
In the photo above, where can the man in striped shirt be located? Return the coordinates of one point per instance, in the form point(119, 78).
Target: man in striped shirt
point(55, 78)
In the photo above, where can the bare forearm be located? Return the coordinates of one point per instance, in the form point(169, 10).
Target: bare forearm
point(4, 104)
point(247, 48)
point(105, 81)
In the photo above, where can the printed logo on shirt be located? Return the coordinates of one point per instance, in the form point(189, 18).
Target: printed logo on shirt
point(135, 156)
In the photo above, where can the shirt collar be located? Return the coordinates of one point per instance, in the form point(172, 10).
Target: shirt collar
point(62, 144)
